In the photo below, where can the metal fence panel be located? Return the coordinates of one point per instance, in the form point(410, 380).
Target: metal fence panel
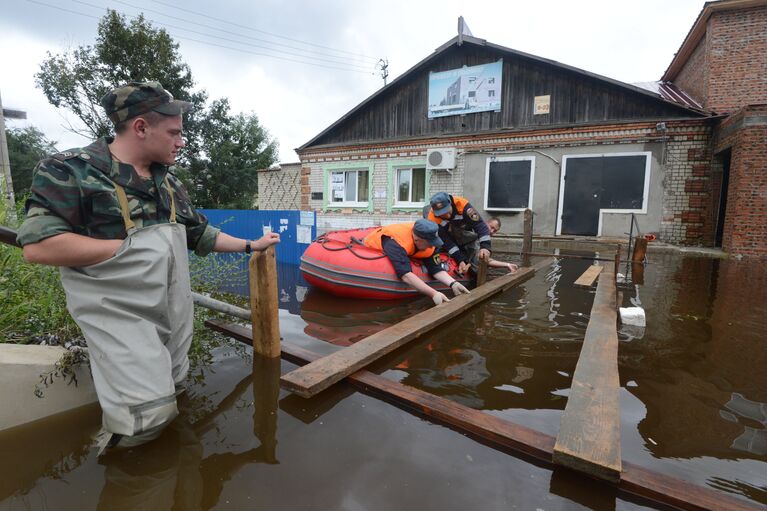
point(296, 228)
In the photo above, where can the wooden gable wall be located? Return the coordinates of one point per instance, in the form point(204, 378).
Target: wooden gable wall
point(401, 111)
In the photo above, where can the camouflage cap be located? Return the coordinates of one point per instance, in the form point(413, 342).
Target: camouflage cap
point(138, 98)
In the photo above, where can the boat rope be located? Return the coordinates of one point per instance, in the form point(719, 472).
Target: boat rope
point(323, 239)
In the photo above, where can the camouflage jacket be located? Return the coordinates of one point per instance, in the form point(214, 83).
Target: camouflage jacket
point(74, 191)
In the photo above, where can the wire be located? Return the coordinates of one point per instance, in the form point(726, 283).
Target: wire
point(262, 31)
point(176, 27)
point(209, 43)
point(141, 8)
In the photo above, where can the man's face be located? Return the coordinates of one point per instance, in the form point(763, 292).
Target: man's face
point(447, 215)
point(163, 139)
point(493, 226)
point(420, 243)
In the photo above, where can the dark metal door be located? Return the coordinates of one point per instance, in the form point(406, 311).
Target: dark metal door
point(581, 201)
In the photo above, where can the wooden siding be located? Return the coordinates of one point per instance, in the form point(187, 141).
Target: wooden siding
point(401, 111)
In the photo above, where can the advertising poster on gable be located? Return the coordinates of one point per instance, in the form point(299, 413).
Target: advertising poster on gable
point(466, 90)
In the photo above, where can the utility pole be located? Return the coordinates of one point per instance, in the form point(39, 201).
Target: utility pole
point(5, 163)
point(383, 64)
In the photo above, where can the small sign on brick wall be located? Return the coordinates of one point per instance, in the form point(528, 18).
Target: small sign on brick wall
point(316, 195)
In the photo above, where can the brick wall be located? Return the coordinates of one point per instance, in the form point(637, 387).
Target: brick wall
point(693, 77)
point(687, 216)
point(745, 231)
point(737, 59)
point(279, 189)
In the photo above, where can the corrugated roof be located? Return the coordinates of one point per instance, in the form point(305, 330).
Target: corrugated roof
point(670, 92)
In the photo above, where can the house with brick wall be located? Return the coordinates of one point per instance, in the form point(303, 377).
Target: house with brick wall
point(722, 64)
point(583, 151)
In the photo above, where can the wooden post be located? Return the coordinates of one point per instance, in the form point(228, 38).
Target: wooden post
point(264, 303)
point(266, 395)
point(640, 249)
point(482, 272)
point(527, 239)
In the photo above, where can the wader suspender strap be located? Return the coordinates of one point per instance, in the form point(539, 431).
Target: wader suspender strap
point(172, 201)
point(125, 209)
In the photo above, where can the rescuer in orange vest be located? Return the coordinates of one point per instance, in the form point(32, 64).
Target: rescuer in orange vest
point(456, 217)
point(419, 240)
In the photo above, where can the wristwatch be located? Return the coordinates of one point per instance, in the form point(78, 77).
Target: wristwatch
point(248, 249)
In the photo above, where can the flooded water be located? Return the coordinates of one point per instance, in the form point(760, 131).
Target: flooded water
point(693, 404)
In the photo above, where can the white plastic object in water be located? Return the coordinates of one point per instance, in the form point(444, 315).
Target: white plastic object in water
point(632, 316)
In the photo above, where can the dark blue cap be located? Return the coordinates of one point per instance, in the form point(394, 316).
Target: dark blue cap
point(440, 203)
point(427, 230)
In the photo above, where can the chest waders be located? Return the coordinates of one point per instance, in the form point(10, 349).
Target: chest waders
point(136, 312)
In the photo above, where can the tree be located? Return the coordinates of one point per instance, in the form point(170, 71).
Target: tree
point(124, 51)
point(223, 150)
point(26, 147)
point(235, 146)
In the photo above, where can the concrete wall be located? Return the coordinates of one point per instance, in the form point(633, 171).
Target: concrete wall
point(20, 370)
point(546, 190)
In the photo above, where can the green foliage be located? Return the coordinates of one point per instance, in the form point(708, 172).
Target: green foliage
point(26, 147)
point(33, 300)
point(124, 51)
point(236, 146)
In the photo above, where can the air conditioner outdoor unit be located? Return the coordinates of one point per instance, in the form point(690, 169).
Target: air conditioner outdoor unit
point(442, 158)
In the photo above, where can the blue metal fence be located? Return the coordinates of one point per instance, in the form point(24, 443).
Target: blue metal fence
point(296, 228)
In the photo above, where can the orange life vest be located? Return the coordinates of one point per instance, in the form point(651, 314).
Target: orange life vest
point(402, 234)
point(460, 205)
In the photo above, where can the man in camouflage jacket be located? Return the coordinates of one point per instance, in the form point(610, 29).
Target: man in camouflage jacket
point(118, 223)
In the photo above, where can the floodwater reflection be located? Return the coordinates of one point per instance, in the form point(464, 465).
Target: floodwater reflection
point(694, 396)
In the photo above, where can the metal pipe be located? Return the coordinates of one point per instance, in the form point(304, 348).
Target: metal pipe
point(219, 306)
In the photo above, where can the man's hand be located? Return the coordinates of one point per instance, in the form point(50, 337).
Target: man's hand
point(266, 241)
point(458, 288)
point(439, 298)
point(463, 267)
point(484, 254)
point(512, 267)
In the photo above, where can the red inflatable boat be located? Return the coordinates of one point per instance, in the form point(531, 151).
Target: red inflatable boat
point(340, 264)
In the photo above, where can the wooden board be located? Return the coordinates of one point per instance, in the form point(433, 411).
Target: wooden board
point(589, 276)
point(589, 432)
point(313, 378)
point(507, 436)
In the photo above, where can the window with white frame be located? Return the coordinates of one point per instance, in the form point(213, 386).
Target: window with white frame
point(349, 187)
point(509, 183)
point(411, 187)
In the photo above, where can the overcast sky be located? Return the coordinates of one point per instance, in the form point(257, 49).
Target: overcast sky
point(324, 53)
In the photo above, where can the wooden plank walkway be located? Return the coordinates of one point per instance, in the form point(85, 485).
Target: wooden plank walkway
point(589, 276)
point(589, 432)
point(507, 436)
point(313, 378)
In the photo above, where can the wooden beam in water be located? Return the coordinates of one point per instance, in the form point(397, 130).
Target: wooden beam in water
point(507, 436)
point(313, 378)
point(589, 276)
point(589, 432)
